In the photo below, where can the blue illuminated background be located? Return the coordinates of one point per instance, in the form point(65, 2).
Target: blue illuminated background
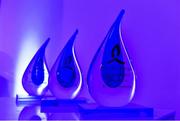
point(150, 30)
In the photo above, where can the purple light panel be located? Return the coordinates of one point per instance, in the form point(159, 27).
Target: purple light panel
point(150, 30)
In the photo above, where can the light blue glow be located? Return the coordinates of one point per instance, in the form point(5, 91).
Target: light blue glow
point(27, 51)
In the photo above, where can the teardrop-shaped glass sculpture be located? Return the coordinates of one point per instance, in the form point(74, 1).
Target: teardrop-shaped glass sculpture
point(111, 78)
point(65, 78)
point(35, 78)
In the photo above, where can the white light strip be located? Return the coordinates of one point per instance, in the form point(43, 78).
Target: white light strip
point(80, 75)
point(134, 76)
point(45, 83)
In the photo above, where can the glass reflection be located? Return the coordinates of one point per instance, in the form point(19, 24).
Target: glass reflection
point(32, 112)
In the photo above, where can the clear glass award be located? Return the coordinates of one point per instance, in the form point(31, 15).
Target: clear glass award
point(111, 77)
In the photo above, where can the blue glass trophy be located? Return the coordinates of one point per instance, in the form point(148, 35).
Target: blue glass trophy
point(65, 78)
point(111, 77)
point(35, 78)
